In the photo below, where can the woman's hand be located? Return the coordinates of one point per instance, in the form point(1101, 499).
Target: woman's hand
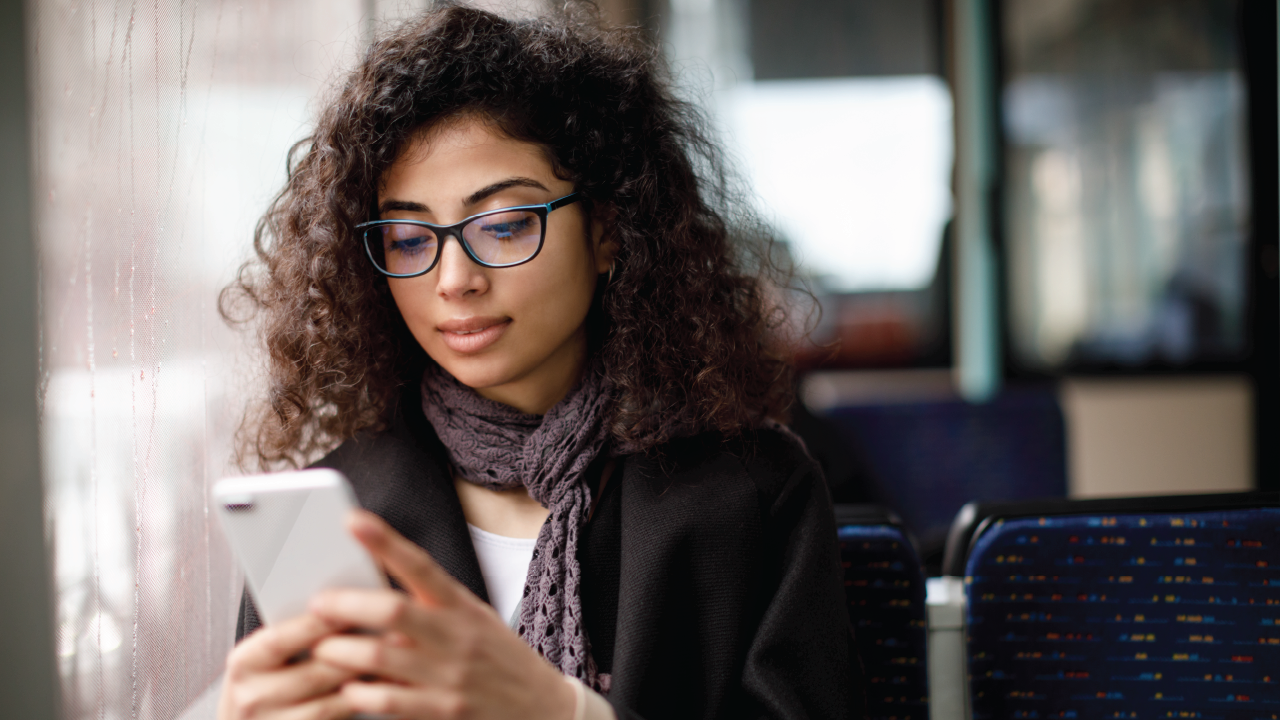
point(261, 683)
point(441, 651)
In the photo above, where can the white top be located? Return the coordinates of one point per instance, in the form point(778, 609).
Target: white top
point(504, 563)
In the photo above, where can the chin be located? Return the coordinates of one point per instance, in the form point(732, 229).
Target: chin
point(477, 373)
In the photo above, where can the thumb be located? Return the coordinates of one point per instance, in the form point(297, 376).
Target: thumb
point(417, 572)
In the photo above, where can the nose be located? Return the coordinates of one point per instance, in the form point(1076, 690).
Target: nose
point(458, 276)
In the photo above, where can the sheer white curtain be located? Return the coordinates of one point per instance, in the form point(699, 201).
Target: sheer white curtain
point(160, 133)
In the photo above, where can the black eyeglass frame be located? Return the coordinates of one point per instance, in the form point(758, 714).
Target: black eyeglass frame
point(455, 230)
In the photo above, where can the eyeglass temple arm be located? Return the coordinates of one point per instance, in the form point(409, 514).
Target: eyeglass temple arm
point(557, 204)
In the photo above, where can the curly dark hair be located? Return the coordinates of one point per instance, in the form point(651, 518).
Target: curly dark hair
point(686, 331)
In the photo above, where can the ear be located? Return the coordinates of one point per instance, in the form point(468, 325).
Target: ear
point(603, 243)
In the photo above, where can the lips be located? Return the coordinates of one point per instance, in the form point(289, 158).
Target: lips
point(471, 335)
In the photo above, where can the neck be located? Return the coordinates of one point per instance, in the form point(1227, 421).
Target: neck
point(509, 512)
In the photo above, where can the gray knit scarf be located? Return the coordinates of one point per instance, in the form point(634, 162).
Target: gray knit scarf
point(498, 447)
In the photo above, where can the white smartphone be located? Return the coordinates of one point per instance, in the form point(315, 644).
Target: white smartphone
point(287, 530)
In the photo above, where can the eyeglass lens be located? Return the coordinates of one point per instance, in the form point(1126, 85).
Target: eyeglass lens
point(503, 238)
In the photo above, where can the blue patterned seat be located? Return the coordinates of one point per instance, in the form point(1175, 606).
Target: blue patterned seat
point(1135, 608)
point(884, 585)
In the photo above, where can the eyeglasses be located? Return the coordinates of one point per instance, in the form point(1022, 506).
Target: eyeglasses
point(497, 239)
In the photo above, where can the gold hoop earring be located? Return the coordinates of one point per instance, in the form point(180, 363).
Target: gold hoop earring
point(609, 281)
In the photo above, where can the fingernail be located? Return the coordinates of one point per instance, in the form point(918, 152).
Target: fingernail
point(357, 519)
point(365, 528)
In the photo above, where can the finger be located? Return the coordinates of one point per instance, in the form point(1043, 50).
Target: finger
point(373, 610)
point(329, 707)
point(389, 699)
point(410, 564)
point(274, 645)
point(365, 655)
point(292, 685)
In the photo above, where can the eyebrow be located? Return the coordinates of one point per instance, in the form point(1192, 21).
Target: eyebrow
point(472, 199)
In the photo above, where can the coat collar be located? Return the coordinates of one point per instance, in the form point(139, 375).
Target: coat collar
point(419, 499)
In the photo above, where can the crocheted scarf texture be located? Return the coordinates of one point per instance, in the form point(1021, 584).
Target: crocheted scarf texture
point(497, 447)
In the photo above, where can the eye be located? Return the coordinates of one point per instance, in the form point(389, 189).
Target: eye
point(410, 245)
point(407, 239)
point(506, 227)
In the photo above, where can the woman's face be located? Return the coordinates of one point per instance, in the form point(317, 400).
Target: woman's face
point(517, 334)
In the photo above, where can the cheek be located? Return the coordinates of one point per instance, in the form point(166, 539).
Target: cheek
point(557, 297)
point(412, 298)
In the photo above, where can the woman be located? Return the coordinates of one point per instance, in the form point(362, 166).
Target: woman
point(496, 281)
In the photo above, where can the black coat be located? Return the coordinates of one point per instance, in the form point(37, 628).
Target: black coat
point(710, 578)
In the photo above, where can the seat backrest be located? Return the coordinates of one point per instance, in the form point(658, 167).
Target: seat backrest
point(884, 587)
point(1165, 607)
point(927, 459)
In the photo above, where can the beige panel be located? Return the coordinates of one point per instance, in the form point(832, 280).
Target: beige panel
point(1158, 436)
point(824, 390)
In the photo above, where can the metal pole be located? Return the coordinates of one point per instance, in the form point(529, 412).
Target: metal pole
point(28, 677)
point(975, 312)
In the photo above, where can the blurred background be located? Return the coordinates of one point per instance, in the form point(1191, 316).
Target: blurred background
point(1054, 269)
point(1041, 233)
